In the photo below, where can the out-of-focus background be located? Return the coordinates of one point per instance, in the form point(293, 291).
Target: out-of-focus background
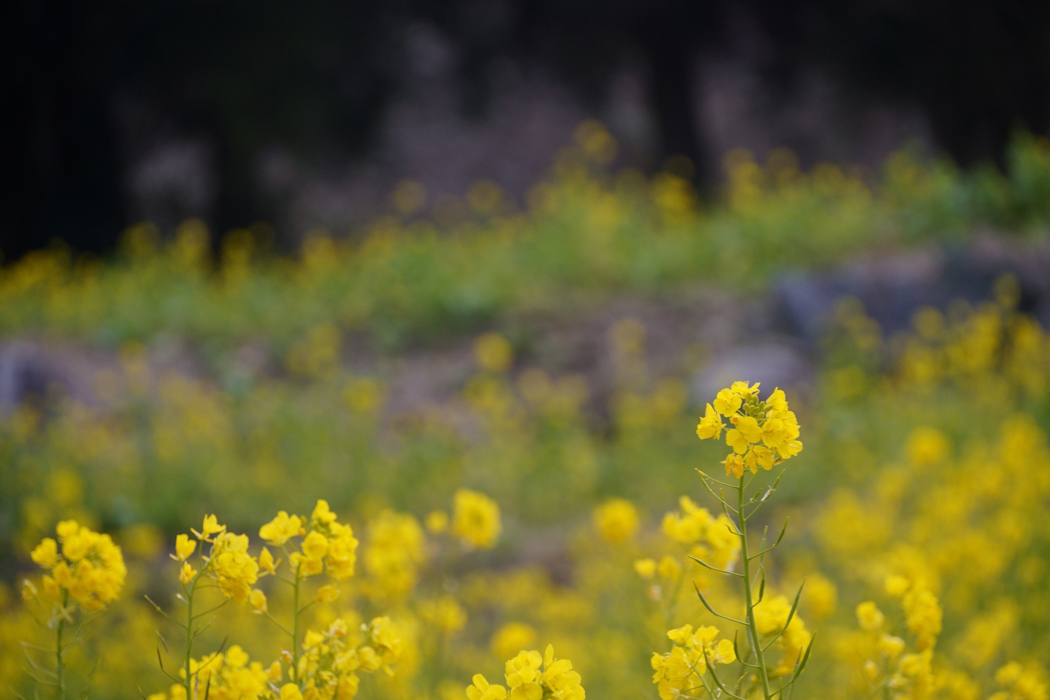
point(244, 113)
point(256, 254)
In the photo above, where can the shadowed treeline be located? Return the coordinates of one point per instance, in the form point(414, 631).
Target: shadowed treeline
point(86, 82)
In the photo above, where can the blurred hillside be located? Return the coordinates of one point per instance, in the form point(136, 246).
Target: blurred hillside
point(744, 285)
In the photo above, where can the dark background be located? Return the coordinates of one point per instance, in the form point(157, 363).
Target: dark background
point(90, 89)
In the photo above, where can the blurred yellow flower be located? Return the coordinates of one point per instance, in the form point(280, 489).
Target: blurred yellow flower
point(493, 352)
point(616, 520)
point(870, 617)
point(475, 519)
point(257, 599)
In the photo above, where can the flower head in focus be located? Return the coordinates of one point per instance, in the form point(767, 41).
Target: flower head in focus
point(761, 433)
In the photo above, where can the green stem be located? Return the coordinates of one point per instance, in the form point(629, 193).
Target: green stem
point(60, 678)
point(295, 624)
point(752, 627)
point(189, 636)
point(671, 606)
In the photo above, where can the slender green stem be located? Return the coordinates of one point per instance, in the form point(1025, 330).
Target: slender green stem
point(60, 677)
point(189, 636)
point(752, 627)
point(671, 602)
point(295, 624)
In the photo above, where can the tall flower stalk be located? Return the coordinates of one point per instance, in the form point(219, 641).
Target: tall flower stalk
point(86, 573)
point(314, 545)
point(763, 434)
point(228, 567)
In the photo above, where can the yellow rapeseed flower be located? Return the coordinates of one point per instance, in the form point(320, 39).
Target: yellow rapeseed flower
point(870, 617)
point(646, 568)
point(184, 547)
point(476, 519)
point(922, 614)
point(322, 513)
point(493, 352)
point(290, 691)
point(90, 566)
point(266, 561)
point(327, 594)
point(281, 529)
point(315, 545)
point(764, 433)
point(483, 690)
point(258, 600)
point(616, 520)
point(186, 573)
point(710, 425)
point(897, 585)
point(232, 567)
point(678, 671)
point(511, 637)
point(210, 527)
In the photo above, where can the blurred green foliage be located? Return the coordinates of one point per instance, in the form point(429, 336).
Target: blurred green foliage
point(584, 236)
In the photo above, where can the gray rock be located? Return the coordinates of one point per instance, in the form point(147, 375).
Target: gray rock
point(33, 372)
point(774, 364)
point(893, 289)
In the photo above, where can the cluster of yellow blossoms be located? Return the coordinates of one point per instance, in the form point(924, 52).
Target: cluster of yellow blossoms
point(331, 659)
point(89, 567)
point(326, 545)
point(1020, 683)
point(709, 537)
point(616, 520)
point(328, 667)
point(764, 433)
point(908, 675)
point(394, 555)
point(228, 561)
point(475, 519)
point(705, 537)
point(396, 541)
point(229, 676)
point(773, 616)
point(680, 672)
point(532, 677)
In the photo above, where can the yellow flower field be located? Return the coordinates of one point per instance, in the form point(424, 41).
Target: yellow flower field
point(292, 534)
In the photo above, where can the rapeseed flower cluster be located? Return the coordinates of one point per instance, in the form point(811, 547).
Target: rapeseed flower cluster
point(679, 673)
point(395, 553)
point(86, 570)
point(332, 659)
point(321, 665)
point(227, 562)
point(83, 565)
point(616, 520)
point(323, 544)
point(766, 620)
point(531, 676)
point(763, 433)
point(227, 676)
point(777, 624)
point(1020, 682)
point(907, 675)
point(707, 536)
point(475, 519)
